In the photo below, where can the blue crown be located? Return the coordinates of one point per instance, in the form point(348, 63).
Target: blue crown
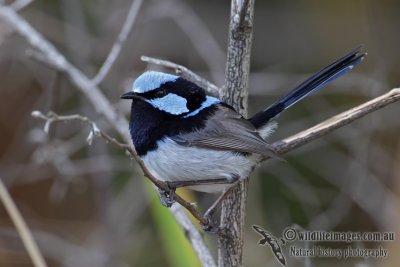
point(151, 80)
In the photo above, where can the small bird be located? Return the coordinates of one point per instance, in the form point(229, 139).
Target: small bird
point(190, 139)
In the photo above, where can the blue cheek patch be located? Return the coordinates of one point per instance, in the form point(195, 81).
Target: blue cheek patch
point(207, 103)
point(170, 103)
point(151, 80)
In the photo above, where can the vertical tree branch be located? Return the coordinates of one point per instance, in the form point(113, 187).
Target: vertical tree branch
point(235, 93)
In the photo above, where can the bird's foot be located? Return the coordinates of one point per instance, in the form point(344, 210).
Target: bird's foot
point(210, 227)
point(167, 198)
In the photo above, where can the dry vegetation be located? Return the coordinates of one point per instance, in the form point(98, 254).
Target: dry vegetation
point(90, 206)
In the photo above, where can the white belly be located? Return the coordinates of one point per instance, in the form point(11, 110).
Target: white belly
point(173, 162)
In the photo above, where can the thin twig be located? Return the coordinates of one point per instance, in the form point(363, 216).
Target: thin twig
point(280, 147)
point(59, 62)
point(185, 73)
point(336, 122)
point(193, 236)
point(52, 117)
point(92, 92)
point(21, 227)
point(119, 42)
point(18, 5)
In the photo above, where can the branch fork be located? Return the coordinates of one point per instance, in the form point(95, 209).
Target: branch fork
point(52, 117)
point(241, 21)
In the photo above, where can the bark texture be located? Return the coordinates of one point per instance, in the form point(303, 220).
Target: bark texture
point(235, 93)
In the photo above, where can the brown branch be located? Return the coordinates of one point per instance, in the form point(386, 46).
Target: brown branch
point(336, 122)
point(235, 93)
point(93, 93)
point(184, 73)
point(22, 228)
point(59, 62)
point(281, 147)
point(52, 117)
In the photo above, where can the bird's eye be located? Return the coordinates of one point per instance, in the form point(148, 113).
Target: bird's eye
point(159, 93)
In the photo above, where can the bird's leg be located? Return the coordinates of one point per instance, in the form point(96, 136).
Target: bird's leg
point(213, 208)
point(167, 198)
point(210, 227)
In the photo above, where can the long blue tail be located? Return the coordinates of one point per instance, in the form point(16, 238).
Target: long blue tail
point(309, 86)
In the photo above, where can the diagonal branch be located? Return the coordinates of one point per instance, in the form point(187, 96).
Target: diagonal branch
point(117, 46)
point(336, 122)
point(51, 55)
point(185, 73)
point(194, 237)
point(281, 147)
point(52, 117)
point(97, 99)
point(22, 228)
point(59, 62)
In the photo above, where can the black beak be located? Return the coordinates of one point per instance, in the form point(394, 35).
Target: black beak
point(131, 95)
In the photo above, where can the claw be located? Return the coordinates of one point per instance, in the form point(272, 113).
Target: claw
point(167, 198)
point(210, 227)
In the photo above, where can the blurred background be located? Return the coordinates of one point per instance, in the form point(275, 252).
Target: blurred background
point(90, 205)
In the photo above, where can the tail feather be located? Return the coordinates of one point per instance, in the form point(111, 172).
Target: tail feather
point(309, 86)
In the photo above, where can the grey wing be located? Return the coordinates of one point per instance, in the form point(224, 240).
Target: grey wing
point(227, 130)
